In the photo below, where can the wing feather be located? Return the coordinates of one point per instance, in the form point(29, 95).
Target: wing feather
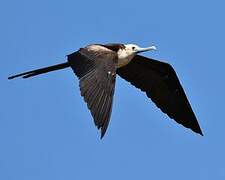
point(96, 71)
point(160, 82)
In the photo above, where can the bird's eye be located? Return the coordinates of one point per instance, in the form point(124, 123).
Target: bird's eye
point(133, 48)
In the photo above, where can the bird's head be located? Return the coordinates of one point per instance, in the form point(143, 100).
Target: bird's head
point(135, 49)
point(126, 54)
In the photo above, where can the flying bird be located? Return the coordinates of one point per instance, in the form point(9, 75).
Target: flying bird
point(96, 67)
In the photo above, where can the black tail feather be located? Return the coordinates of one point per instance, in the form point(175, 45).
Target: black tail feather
point(41, 71)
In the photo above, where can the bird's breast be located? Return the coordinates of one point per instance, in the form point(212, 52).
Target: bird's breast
point(124, 58)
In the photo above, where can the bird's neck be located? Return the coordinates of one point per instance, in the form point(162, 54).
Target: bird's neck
point(124, 57)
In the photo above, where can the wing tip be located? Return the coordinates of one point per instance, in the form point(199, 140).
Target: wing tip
point(197, 129)
point(103, 131)
point(200, 132)
point(101, 137)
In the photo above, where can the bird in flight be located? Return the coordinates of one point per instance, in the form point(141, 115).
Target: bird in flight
point(97, 65)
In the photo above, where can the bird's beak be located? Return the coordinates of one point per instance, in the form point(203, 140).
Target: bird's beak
point(139, 50)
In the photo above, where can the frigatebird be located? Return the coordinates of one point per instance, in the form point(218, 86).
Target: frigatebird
point(96, 66)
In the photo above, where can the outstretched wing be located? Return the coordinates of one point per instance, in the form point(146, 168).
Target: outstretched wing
point(96, 71)
point(161, 84)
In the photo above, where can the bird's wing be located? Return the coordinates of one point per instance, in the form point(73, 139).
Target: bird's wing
point(161, 84)
point(97, 74)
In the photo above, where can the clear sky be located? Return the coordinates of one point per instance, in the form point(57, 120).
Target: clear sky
point(46, 130)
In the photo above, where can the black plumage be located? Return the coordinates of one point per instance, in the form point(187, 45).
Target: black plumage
point(97, 75)
point(161, 84)
point(96, 67)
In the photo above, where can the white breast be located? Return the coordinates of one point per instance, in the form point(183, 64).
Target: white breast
point(124, 57)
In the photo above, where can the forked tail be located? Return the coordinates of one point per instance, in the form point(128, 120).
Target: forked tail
point(41, 71)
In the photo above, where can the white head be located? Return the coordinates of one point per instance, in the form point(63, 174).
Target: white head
point(126, 54)
point(135, 49)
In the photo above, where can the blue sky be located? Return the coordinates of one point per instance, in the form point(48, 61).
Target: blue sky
point(46, 130)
